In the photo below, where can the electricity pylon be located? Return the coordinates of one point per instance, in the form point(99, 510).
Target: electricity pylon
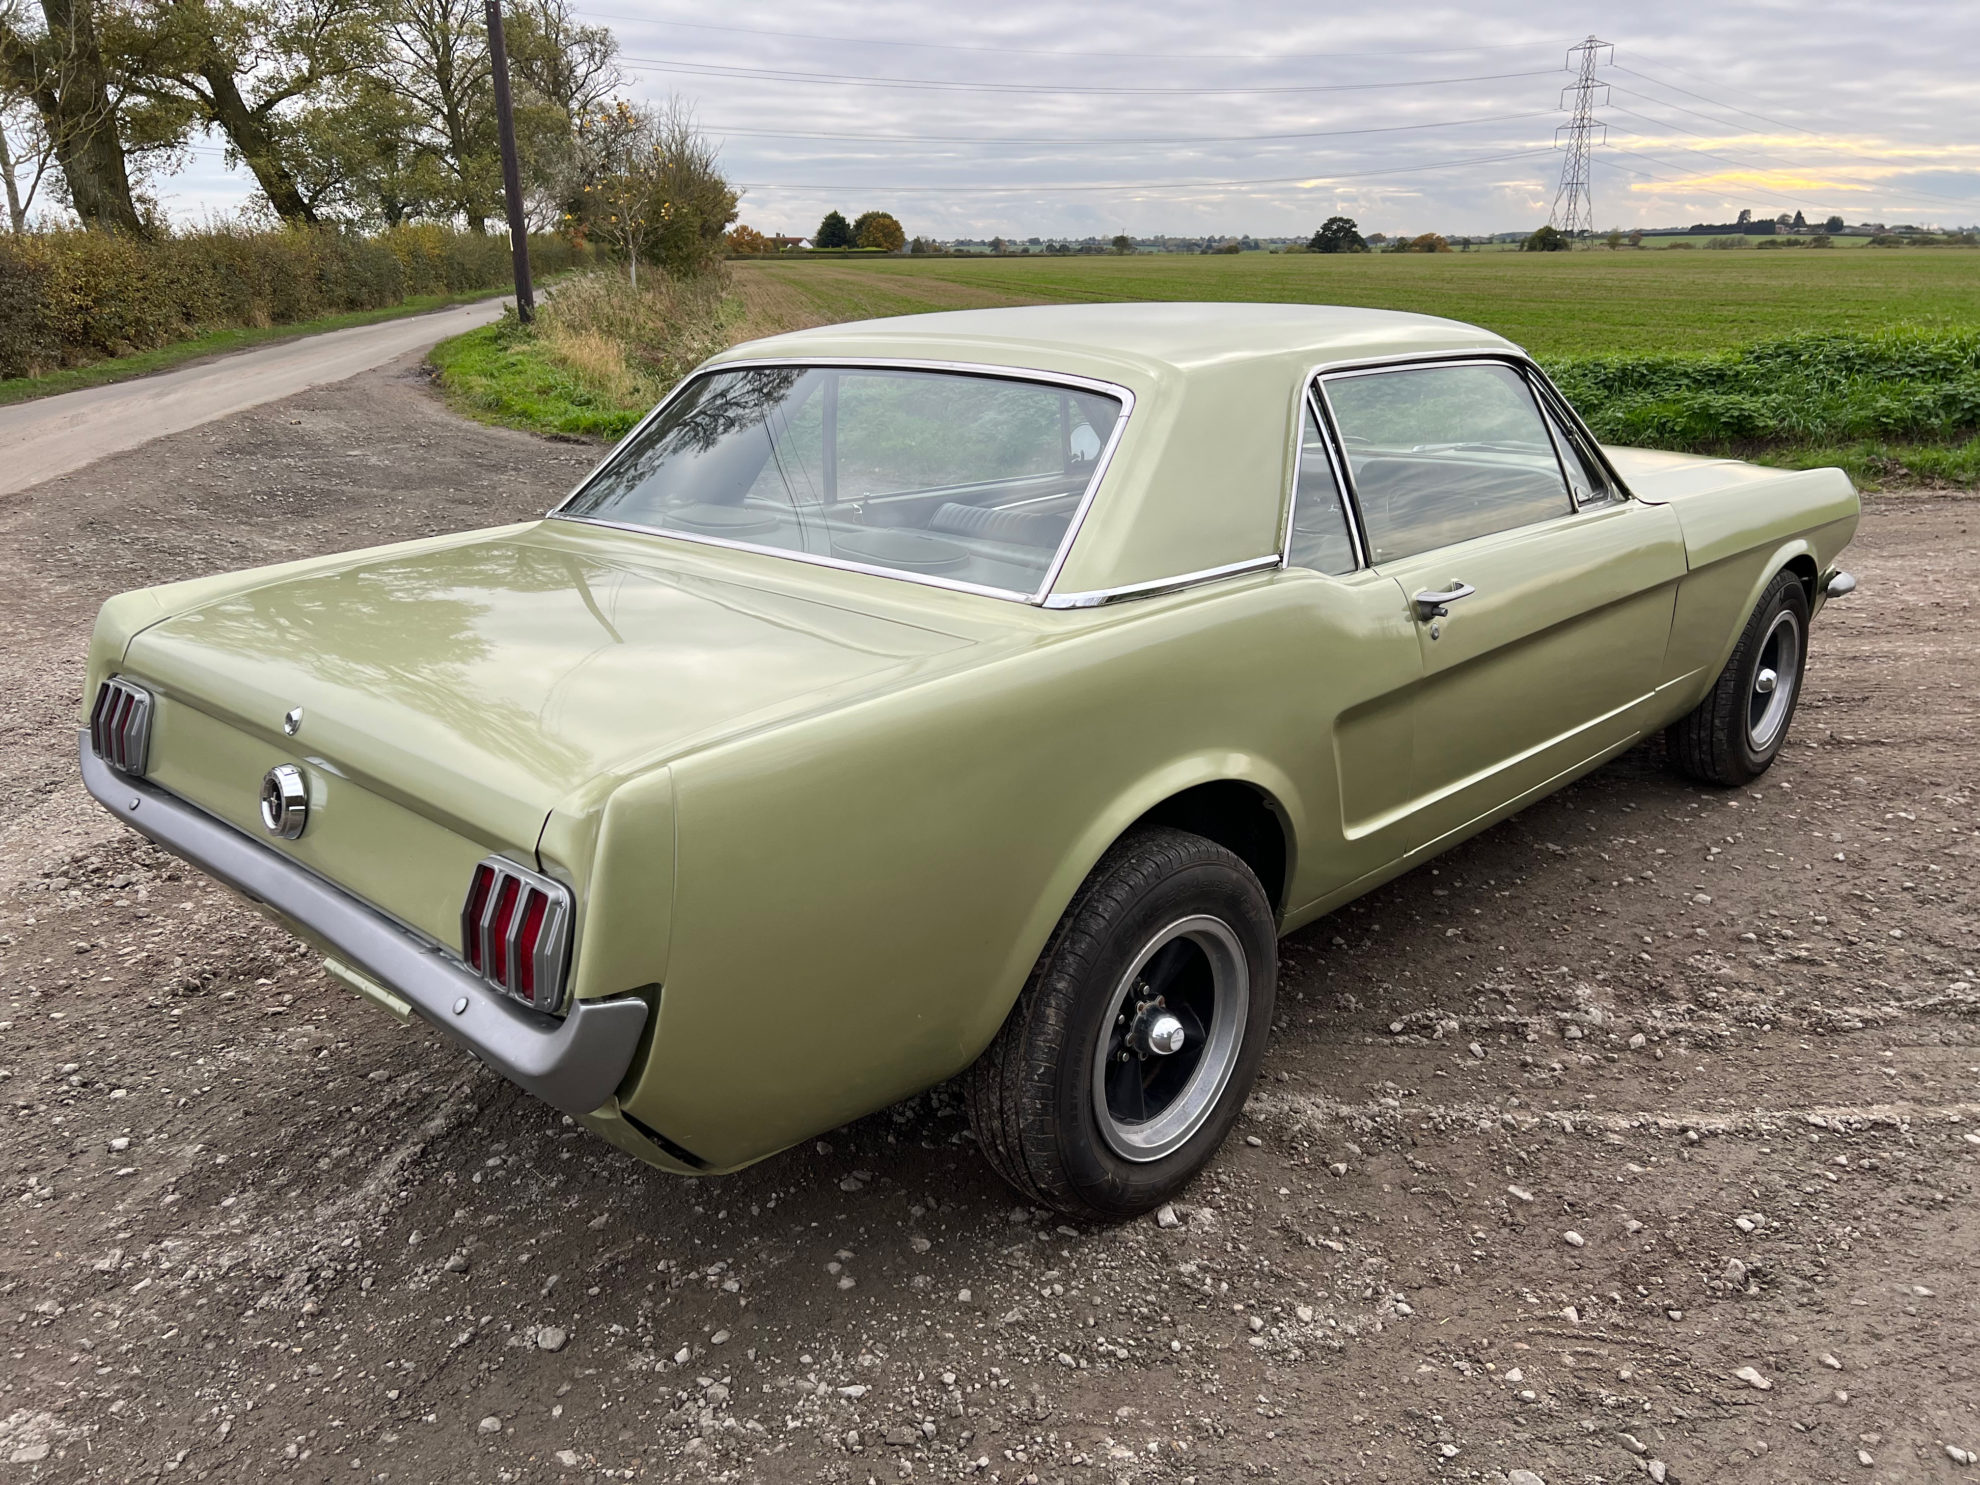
point(1574, 203)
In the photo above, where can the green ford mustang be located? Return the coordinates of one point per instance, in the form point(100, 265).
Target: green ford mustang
point(978, 693)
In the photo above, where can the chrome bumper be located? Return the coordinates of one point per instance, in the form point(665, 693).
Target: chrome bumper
point(572, 1062)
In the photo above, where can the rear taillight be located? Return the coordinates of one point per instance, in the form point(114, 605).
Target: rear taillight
point(120, 725)
point(515, 931)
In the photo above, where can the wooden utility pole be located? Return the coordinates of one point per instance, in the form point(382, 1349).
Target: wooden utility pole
point(498, 57)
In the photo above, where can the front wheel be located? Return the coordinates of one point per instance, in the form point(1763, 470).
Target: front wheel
point(1734, 734)
point(1130, 1052)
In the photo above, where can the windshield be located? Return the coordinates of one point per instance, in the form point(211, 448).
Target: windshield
point(937, 475)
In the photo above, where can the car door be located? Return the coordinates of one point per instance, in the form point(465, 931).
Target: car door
point(1355, 684)
point(1541, 595)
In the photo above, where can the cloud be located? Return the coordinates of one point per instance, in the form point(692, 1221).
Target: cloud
point(1264, 116)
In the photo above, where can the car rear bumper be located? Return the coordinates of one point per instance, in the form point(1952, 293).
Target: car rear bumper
point(573, 1062)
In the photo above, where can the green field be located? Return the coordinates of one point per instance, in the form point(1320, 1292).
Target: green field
point(1551, 303)
point(1869, 360)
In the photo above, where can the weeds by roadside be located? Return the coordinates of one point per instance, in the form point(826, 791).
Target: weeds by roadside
point(601, 352)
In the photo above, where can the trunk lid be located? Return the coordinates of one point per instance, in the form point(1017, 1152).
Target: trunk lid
point(477, 685)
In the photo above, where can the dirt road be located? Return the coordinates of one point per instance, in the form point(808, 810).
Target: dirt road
point(54, 435)
point(1560, 1137)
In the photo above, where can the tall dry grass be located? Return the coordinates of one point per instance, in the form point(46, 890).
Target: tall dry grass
point(628, 346)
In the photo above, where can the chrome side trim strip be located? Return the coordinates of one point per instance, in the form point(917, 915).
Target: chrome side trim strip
point(573, 1063)
point(889, 363)
point(1097, 597)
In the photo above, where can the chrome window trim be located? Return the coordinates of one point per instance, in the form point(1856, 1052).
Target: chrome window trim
point(1098, 597)
point(1036, 597)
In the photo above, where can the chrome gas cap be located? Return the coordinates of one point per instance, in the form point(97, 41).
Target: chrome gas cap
point(284, 801)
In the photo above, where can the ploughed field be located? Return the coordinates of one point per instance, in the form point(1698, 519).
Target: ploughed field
point(1645, 1127)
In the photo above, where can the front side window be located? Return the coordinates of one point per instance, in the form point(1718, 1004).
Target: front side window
point(966, 478)
point(1586, 477)
point(1442, 454)
point(1320, 538)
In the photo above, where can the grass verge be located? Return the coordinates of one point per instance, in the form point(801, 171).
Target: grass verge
point(601, 354)
point(219, 342)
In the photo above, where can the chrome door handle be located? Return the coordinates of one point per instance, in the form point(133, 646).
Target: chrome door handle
point(1430, 604)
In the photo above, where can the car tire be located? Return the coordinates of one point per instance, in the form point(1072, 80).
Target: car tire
point(1735, 733)
point(1076, 1103)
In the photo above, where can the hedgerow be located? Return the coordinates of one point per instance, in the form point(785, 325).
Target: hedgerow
point(1906, 382)
point(69, 297)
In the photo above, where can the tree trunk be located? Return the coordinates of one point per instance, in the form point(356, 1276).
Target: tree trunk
point(63, 73)
point(248, 132)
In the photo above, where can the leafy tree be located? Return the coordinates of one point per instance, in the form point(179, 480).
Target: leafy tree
point(1614, 239)
point(244, 68)
point(1338, 235)
point(436, 60)
point(1428, 242)
point(57, 63)
point(653, 188)
point(747, 241)
point(1745, 216)
point(834, 232)
point(1546, 240)
point(878, 229)
point(1122, 243)
point(1834, 224)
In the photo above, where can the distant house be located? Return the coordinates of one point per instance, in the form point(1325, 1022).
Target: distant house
point(782, 243)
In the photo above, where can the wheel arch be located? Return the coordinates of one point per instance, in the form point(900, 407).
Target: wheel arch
point(1796, 556)
point(1222, 797)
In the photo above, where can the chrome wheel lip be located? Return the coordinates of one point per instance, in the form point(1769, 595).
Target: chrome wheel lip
point(1767, 706)
point(1171, 1128)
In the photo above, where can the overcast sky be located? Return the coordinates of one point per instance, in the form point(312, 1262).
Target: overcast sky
point(1038, 118)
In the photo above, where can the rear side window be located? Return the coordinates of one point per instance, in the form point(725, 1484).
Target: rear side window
point(1320, 537)
point(1442, 454)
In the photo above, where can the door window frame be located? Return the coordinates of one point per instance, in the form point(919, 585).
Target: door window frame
point(1548, 403)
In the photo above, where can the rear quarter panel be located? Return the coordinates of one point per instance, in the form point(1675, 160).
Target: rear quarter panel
point(859, 897)
point(1739, 531)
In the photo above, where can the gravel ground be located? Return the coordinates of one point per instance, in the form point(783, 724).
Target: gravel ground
point(1637, 1137)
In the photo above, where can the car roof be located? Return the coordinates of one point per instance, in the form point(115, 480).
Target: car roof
point(1179, 336)
point(1202, 474)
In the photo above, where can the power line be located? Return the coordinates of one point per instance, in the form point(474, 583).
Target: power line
point(1093, 139)
point(1170, 185)
point(847, 79)
point(1025, 51)
point(1717, 103)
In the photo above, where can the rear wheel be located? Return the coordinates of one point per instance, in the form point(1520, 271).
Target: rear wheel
point(1129, 1054)
point(1735, 733)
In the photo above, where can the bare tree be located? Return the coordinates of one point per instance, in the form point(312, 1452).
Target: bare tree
point(26, 153)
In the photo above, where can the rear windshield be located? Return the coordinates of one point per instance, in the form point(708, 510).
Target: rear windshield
point(930, 474)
